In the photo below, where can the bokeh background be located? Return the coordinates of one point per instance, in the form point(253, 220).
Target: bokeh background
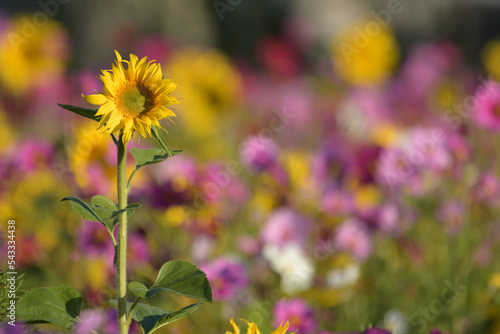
point(339, 167)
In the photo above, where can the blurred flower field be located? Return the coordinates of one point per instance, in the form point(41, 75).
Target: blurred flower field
point(337, 187)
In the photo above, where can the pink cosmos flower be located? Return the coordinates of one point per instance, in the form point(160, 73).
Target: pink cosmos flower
point(298, 313)
point(486, 111)
point(227, 277)
point(285, 226)
point(353, 236)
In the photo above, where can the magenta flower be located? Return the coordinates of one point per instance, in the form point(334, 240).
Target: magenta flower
point(297, 313)
point(486, 111)
point(451, 214)
point(285, 226)
point(90, 320)
point(353, 236)
point(227, 277)
point(138, 252)
point(376, 330)
point(337, 202)
point(488, 188)
point(94, 240)
point(259, 153)
point(19, 328)
point(33, 154)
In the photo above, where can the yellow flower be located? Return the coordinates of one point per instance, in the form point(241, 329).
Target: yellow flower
point(31, 56)
point(6, 133)
point(363, 56)
point(212, 89)
point(253, 329)
point(490, 56)
point(134, 98)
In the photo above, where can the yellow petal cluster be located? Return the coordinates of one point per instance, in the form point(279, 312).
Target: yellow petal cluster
point(253, 329)
point(134, 98)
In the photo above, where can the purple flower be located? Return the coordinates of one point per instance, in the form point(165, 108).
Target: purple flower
point(488, 188)
point(451, 214)
point(90, 320)
point(388, 217)
point(285, 226)
point(154, 47)
point(138, 251)
point(353, 236)
point(337, 202)
point(259, 153)
point(94, 240)
point(32, 154)
point(329, 163)
point(376, 331)
point(427, 64)
point(248, 245)
point(427, 151)
point(394, 168)
point(227, 277)
point(297, 313)
point(18, 328)
point(486, 111)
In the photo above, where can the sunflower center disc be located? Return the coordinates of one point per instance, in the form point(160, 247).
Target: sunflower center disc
point(133, 100)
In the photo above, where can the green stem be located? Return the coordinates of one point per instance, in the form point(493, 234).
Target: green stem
point(121, 265)
point(130, 179)
point(129, 318)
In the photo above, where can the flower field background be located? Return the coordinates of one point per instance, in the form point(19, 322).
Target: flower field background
point(336, 183)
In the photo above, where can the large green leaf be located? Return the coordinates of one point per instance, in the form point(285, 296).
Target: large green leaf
point(104, 208)
point(100, 209)
point(178, 277)
point(148, 156)
point(83, 208)
point(151, 318)
point(157, 135)
point(59, 305)
point(85, 112)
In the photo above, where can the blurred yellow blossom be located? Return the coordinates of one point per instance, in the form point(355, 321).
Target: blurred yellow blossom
point(29, 54)
point(35, 201)
point(365, 57)
point(90, 148)
point(209, 87)
point(6, 134)
point(491, 58)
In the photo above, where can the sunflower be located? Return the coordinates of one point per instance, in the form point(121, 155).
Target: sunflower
point(134, 98)
point(253, 329)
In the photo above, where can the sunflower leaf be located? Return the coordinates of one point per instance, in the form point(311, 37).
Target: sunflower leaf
point(157, 135)
point(148, 156)
point(59, 305)
point(101, 209)
point(85, 112)
point(151, 318)
point(84, 209)
point(179, 277)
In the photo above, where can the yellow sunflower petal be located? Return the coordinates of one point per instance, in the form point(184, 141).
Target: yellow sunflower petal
point(96, 99)
point(235, 328)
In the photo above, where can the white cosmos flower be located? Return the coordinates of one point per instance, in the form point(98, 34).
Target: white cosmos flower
point(296, 270)
point(339, 278)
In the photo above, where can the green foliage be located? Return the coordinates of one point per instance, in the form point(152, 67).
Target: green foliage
point(157, 135)
point(59, 305)
point(100, 209)
point(179, 277)
point(148, 156)
point(4, 292)
point(85, 112)
point(151, 318)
